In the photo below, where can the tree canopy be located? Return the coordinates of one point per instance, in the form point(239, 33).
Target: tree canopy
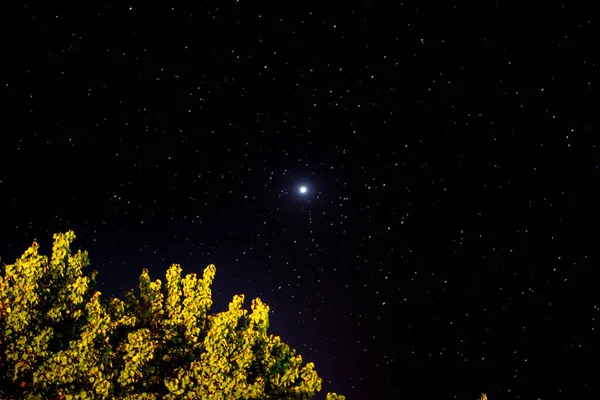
point(60, 339)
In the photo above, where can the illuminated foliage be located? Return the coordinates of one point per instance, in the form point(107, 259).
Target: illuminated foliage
point(59, 339)
point(483, 396)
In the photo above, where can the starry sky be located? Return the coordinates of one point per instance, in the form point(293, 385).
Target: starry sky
point(411, 187)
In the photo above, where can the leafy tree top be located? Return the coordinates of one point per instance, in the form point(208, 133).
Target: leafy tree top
point(60, 339)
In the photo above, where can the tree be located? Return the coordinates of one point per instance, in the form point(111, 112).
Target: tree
point(484, 397)
point(60, 339)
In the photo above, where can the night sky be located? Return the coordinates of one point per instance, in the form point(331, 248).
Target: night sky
point(446, 240)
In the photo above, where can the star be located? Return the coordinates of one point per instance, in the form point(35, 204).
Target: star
point(303, 189)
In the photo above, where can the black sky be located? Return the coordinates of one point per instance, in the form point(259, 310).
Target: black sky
point(447, 244)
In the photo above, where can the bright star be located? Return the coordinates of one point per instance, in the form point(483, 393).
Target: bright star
point(303, 189)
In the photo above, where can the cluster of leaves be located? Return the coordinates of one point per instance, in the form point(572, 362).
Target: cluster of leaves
point(60, 339)
point(484, 397)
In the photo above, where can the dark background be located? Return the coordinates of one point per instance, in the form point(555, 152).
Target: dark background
point(447, 244)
